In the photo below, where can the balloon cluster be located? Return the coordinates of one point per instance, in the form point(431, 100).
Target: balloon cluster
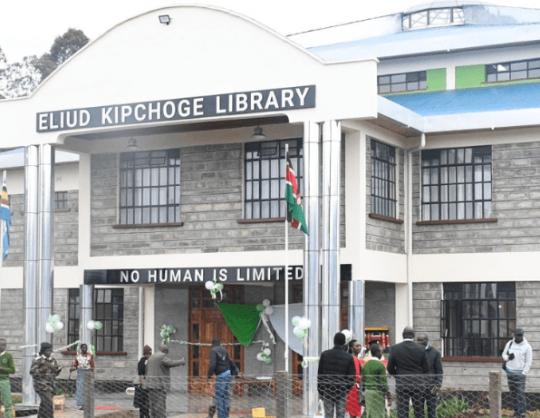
point(264, 355)
point(54, 324)
point(91, 325)
point(165, 331)
point(265, 308)
point(348, 335)
point(301, 326)
point(214, 288)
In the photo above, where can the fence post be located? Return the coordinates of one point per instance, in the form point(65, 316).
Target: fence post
point(89, 395)
point(495, 394)
point(283, 389)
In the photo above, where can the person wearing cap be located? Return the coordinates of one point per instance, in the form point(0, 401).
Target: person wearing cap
point(44, 371)
point(408, 362)
point(518, 357)
point(335, 377)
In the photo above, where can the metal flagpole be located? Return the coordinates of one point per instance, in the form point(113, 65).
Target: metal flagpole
point(3, 228)
point(286, 267)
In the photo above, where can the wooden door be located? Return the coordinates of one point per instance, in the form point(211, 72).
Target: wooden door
point(206, 323)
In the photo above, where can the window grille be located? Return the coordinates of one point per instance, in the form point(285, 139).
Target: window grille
point(150, 187)
point(456, 184)
point(517, 70)
point(60, 200)
point(477, 319)
point(265, 177)
point(383, 179)
point(396, 83)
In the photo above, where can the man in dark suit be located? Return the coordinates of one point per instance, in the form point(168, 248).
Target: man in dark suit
point(335, 377)
point(158, 380)
point(434, 380)
point(408, 362)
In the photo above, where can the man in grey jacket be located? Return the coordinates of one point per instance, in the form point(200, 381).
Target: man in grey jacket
point(518, 356)
point(158, 380)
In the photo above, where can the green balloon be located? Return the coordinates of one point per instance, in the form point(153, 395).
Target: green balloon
point(260, 307)
point(296, 321)
point(170, 329)
point(98, 325)
point(268, 361)
point(219, 286)
point(301, 333)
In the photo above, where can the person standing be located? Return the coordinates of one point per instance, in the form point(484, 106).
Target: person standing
point(222, 366)
point(375, 384)
point(407, 362)
point(141, 394)
point(7, 367)
point(518, 357)
point(335, 377)
point(84, 363)
point(158, 380)
point(354, 407)
point(435, 378)
point(44, 371)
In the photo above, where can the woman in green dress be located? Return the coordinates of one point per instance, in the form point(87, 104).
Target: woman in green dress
point(375, 384)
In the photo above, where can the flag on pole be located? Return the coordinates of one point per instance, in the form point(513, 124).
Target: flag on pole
point(5, 216)
point(295, 211)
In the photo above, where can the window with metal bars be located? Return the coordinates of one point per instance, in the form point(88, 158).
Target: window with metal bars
point(456, 184)
point(60, 200)
point(265, 177)
point(477, 319)
point(516, 70)
point(395, 83)
point(109, 310)
point(383, 179)
point(150, 187)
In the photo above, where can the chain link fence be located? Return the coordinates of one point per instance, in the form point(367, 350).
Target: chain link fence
point(282, 395)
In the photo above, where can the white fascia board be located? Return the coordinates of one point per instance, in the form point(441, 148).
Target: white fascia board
point(482, 120)
point(400, 114)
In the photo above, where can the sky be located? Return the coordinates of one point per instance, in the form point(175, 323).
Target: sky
point(29, 27)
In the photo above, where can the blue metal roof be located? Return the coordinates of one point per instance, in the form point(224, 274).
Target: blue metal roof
point(518, 96)
point(422, 41)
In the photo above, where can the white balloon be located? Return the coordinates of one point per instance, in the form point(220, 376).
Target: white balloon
point(268, 310)
point(347, 333)
point(267, 351)
point(59, 325)
point(259, 357)
point(266, 302)
point(49, 328)
point(90, 324)
point(305, 323)
point(209, 285)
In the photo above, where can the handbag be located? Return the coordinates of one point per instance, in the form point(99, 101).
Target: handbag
point(504, 362)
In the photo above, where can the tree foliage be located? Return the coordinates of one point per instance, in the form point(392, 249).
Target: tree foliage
point(21, 78)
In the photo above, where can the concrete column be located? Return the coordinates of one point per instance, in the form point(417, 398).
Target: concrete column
point(330, 295)
point(45, 244)
point(149, 316)
point(495, 394)
point(311, 260)
point(30, 270)
point(86, 302)
point(356, 309)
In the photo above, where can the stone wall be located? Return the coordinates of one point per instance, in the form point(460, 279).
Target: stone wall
point(516, 205)
point(384, 235)
point(211, 191)
point(65, 238)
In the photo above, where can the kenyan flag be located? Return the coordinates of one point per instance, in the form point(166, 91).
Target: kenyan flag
point(295, 211)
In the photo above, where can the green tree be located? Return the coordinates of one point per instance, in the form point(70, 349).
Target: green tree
point(63, 47)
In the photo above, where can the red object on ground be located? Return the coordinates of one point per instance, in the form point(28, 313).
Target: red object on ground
point(107, 407)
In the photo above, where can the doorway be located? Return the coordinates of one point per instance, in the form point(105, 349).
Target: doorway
point(206, 322)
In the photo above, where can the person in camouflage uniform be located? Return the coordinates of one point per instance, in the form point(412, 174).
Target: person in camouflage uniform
point(44, 371)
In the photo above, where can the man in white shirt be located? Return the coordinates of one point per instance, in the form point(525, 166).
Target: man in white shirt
point(518, 356)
